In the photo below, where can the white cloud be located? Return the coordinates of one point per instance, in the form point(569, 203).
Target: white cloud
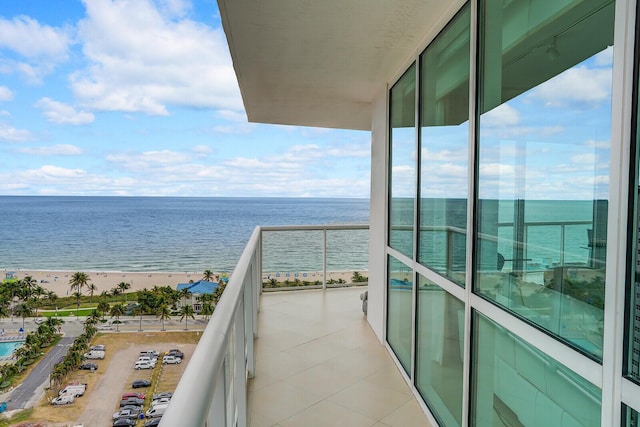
point(496, 169)
point(602, 145)
point(584, 159)
point(50, 172)
point(54, 150)
point(10, 134)
point(576, 85)
point(5, 94)
point(202, 149)
point(41, 46)
point(164, 161)
point(144, 61)
point(59, 113)
point(501, 116)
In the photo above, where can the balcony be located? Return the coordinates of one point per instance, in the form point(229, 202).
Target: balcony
point(290, 358)
point(317, 362)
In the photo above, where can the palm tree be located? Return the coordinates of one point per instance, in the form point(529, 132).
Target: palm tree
point(92, 289)
point(117, 311)
point(138, 310)
point(207, 310)
point(23, 310)
point(163, 312)
point(186, 311)
point(103, 307)
point(123, 286)
point(207, 275)
point(77, 282)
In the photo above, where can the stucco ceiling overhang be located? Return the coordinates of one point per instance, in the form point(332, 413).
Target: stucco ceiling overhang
point(321, 62)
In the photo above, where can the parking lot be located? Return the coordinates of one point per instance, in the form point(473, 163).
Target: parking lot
point(115, 374)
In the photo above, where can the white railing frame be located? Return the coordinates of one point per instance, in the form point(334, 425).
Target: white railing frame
point(201, 397)
point(204, 397)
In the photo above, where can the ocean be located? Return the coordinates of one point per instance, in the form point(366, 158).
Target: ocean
point(170, 233)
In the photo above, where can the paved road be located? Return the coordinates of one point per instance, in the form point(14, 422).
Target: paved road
point(31, 387)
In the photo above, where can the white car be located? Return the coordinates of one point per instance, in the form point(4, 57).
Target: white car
point(63, 399)
point(160, 401)
point(144, 364)
point(171, 360)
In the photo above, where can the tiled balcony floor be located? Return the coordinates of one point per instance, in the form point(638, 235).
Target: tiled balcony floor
point(318, 364)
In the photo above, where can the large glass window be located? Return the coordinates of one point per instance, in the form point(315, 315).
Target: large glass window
point(632, 370)
point(402, 171)
point(545, 80)
point(400, 311)
point(440, 351)
point(515, 384)
point(444, 136)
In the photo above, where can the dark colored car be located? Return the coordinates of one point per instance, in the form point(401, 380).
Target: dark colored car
point(131, 401)
point(124, 422)
point(152, 422)
point(89, 366)
point(175, 352)
point(131, 412)
point(140, 383)
point(133, 394)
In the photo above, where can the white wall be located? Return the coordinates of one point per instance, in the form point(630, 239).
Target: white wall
point(377, 217)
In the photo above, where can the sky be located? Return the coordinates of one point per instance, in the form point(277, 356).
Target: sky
point(139, 98)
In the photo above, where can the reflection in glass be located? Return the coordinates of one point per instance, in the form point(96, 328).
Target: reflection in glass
point(399, 311)
point(543, 156)
point(444, 131)
point(631, 417)
point(632, 365)
point(402, 171)
point(515, 384)
point(440, 351)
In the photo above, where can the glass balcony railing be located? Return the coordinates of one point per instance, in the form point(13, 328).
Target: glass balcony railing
point(213, 388)
point(307, 257)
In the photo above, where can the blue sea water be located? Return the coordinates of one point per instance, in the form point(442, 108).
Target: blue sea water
point(152, 234)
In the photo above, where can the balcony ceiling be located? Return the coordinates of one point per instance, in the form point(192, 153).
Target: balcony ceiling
point(320, 63)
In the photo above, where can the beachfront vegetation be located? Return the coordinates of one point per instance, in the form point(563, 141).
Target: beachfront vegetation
point(74, 356)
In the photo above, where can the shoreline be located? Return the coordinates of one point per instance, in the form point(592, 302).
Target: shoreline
point(58, 280)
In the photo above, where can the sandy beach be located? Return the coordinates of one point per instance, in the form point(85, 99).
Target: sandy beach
point(58, 281)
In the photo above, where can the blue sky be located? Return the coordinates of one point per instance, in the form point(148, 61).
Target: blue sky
point(139, 97)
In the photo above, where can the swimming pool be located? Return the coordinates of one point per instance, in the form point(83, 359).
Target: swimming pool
point(7, 348)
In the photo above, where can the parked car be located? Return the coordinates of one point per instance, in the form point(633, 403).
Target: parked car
point(140, 383)
point(175, 352)
point(153, 422)
point(133, 394)
point(131, 407)
point(94, 354)
point(131, 401)
point(64, 399)
point(124, 422)
point(162, 394)
point(89, 366)
point(150, 353)
point(171, 360)
point(127, 413)
point(160, 401)
point(156, 411)
point(99, 347)
point(144, 364)
point(75, 390)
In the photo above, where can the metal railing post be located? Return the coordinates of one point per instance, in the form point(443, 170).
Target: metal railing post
point(324, 258)
point(240, 366)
